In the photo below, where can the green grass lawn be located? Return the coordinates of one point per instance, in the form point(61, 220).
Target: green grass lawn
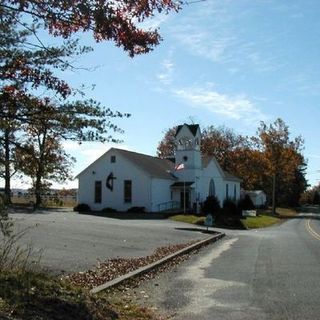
point(260, 221)
point(188, 218)
point(264, 219)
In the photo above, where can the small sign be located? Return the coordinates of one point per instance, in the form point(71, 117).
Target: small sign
point(208, 221)
point(249, 213)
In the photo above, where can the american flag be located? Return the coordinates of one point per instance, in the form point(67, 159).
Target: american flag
point(179, 166)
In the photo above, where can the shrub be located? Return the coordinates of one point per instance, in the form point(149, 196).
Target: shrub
point(229, 207)
point(245, 204)
point(211, 205)
point(13, 257)
point(109, 210)
point(82, 207)
point(137, 210)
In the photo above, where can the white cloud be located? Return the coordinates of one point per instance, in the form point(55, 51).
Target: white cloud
point(203, 42)
point(90, 151)
point(237, 107)
point(212, 32)
point(166, 75)
point(154, 22)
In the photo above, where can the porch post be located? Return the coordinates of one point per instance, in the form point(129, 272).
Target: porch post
point(184, 193)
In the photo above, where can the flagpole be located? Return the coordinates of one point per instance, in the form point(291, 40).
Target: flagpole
point(184, 191)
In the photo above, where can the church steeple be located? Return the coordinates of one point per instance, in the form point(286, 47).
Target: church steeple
point(188, 140)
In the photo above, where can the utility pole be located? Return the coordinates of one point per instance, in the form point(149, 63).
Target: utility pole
point(274, 194)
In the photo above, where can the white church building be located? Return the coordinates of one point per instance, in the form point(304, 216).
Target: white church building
point(122, 179)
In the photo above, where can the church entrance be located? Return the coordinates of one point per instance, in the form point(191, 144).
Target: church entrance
point(185, 195)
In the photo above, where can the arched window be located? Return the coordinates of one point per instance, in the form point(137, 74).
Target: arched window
point(212, 188)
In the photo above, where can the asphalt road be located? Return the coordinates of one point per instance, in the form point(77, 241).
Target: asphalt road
point(272, 273)
point(73, 242)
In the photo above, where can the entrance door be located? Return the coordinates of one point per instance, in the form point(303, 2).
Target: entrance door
point(187, 195)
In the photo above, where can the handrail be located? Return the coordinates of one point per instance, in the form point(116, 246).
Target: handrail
point(169, 205)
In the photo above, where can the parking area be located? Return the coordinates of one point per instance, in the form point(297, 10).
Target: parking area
point(73, 242)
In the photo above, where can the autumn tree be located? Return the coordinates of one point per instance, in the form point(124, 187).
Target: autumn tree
point(167, 146)
point(40, 154)
point(222, 143)
point(118, 21)
point(284, 159)
point(24, 67)
point(43, 158)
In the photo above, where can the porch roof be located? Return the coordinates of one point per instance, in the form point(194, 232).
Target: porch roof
point(182, 184)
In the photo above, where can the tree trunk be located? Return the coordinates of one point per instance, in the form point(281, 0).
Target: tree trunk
point(37, 190)
point(39, 172)
point(7, 173)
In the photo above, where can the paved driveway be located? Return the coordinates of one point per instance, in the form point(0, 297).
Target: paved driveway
point(267, 274)
point(74, 242)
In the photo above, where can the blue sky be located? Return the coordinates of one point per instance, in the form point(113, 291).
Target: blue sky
point(221, 62)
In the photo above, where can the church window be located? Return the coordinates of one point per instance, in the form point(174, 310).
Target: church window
point(212, 188)
point(113, 159)
point(127, 191)
point(227, 191)
point(98, 191)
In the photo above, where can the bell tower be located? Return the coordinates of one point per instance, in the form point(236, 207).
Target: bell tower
point(188, 140)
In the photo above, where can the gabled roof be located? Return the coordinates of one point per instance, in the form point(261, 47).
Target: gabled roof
point(153, 166)
point(182, 184)
point(206, 159)
point(192, 127)
point(230, 176)
point(254, 192)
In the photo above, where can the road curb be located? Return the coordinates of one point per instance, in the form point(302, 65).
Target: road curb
point(153, 265)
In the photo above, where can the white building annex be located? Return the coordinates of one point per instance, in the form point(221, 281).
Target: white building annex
point(258, 197)
point(122, 179)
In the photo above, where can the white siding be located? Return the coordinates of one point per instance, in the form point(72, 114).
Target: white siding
point(122, 169)
point(212, 172)
point(161, 192)
point(259, 200)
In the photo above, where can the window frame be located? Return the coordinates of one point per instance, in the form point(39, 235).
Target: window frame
point(98, 191)
point(127, 193)
point(212, 188)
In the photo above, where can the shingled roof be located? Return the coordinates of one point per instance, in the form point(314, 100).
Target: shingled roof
point(192, 127)
point(155, 167)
